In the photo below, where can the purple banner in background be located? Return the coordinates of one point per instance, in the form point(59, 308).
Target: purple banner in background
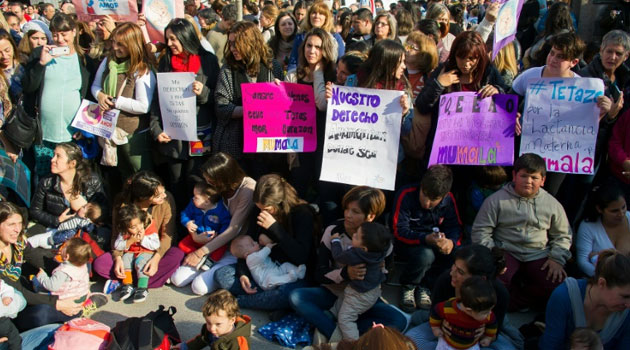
point(505, 26)
point(472, 131)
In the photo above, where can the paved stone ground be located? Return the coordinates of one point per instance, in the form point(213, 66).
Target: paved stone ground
point(189, 320)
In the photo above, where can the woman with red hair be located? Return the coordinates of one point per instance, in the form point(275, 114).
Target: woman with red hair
point(468, 68)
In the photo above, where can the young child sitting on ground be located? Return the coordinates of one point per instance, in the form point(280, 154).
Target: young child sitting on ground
point(471, 311)
point(225, 327)
point(71, 279)
point(205, 217)
point(138, 238)
point(369, 246)
point(12, 303)
point(87, 218)
point(266, 273)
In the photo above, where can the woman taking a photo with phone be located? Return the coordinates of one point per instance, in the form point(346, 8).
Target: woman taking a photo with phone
point(55, 81)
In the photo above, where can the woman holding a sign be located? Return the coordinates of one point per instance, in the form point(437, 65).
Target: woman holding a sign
point(125, 81)
point(247, 60)
point(468, 68)
point(185, 54)
point(316, 67)
point(48, 69)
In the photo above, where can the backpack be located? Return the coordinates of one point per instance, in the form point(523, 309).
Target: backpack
point(81, 334)
point(155, 331)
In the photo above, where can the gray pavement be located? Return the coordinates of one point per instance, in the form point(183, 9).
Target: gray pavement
point(189, 320)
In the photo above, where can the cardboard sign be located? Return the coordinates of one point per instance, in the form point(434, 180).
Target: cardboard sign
point(472, 131)
point(560, 122)
point(89, 118)
point(178, 105)
point(362, 137)
point(279, 118)
point(158, 14)
point(505, 28)
point(119, 10)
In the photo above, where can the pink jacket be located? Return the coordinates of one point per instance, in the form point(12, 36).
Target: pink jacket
point(79, 284)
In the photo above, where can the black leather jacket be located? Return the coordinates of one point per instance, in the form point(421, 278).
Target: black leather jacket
point(49, 202)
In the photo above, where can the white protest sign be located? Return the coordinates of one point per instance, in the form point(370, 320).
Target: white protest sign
point(362, 137)
point(560, 122)
point(89, 118)
point(178, 105)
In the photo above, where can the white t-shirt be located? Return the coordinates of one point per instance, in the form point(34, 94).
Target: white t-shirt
point(520, 83)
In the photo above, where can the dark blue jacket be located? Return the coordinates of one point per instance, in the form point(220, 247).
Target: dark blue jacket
point(411, 223)
point(217, 219)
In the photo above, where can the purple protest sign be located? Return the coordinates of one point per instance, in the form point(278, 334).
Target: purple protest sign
point(278, 118)
point(505, 27)
point(472, 131)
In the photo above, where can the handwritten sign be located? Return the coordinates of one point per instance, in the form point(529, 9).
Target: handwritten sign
point(120, 10)
point(472, 131)
point(178, 105)
point(362, 137)
point(560, 122)
point(15, 176)
point(505, 29)
point(158, 14)
point(89, 118)
point(279, 118)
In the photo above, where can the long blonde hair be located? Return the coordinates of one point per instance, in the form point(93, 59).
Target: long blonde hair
point(130, 36)
point(506, 59)
point(321, 8)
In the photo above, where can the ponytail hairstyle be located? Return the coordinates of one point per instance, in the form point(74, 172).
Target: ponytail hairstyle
point(82, 168)
point(140, 187)
point(599, 199)
point(481, 261)
point(62, 22)
point(614, 267)
point(274, 191)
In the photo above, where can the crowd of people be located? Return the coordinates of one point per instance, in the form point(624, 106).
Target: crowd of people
point(260, 230)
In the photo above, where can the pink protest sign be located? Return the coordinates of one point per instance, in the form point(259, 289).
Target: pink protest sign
point(119, 10)
point(278, 118)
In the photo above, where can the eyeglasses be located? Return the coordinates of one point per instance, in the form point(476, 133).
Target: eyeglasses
point(381, 24)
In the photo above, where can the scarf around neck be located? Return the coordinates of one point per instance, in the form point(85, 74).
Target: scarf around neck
point(183, 63)
point(109, 86)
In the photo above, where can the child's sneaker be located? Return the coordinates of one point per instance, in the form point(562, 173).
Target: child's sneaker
point(126, 291)
point(140, 295)
point(111, 286)
point(95, 301)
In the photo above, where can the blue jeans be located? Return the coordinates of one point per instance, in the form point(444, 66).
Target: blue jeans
point(39, 315)
point(418, 260)
point(424, 339)
point(312, 304)
point(270, 300)
point(36, 338)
